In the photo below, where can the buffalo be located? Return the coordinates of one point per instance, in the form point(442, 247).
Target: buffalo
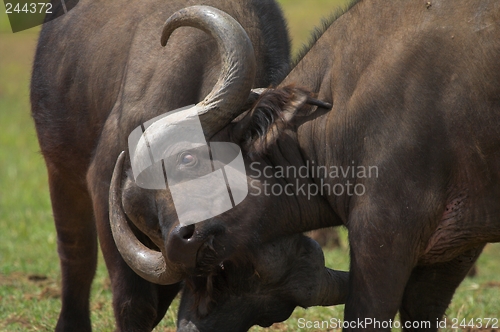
point(100, 71)
point(407, 159)
point(261, 287)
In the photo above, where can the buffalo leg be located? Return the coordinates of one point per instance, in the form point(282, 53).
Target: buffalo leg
point(381, 264)
point(166, 295)
point(138, 304)
point(77, 247)
point(375, 294)
point(430, 290)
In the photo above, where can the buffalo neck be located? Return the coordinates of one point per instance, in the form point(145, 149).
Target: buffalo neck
point(334, 138)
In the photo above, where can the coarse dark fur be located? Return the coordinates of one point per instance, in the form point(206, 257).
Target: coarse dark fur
point(99, 72)
point(268, 118)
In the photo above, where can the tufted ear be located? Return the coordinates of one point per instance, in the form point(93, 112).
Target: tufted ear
point(273, 111)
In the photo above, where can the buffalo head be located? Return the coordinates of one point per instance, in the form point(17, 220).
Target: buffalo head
point(150, 211)
point(263, 289)
point(255, 121)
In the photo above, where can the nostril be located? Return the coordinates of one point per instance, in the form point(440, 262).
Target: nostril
point(182, 245)
point(187, 232)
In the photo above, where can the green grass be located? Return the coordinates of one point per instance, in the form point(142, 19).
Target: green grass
point(29, 267)
point(304, 16)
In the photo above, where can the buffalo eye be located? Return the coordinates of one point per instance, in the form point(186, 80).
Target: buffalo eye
point(187, 159)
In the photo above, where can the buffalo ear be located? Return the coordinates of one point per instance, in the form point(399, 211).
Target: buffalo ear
point(273, 111)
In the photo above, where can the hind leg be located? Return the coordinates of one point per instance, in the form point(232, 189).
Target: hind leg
point(77, 247)
point(430, 289)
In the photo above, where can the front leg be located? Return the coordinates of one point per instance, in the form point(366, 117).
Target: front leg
point(382, 258)
point(138, 304)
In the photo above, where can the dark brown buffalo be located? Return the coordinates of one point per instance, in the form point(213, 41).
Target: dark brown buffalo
point(415, 89)
point(260, 287)
point(99, 72)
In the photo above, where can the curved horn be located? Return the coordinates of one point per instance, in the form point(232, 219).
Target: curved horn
point(147, 263)
point(333, 288)
point(326, 286)
point(237, 76)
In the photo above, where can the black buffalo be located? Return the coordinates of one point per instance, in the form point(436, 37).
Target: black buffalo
point(408, 158)
point(99, 72)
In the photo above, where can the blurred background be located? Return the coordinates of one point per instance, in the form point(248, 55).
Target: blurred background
point(29, 266)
